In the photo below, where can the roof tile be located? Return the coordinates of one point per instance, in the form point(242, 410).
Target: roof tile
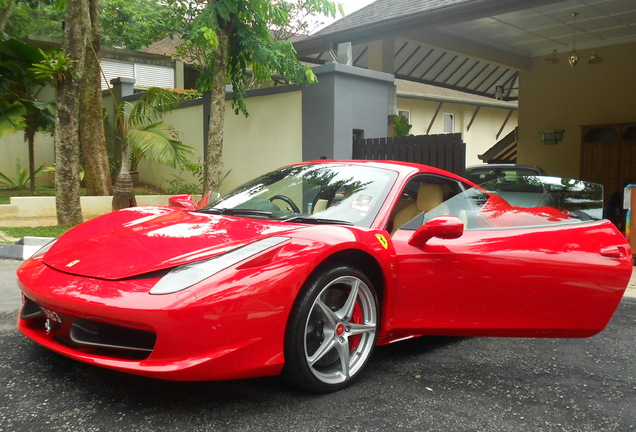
point(386, 10)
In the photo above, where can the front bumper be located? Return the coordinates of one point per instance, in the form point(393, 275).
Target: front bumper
point(230, 333)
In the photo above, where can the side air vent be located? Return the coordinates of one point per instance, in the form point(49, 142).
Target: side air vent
point(88, 333)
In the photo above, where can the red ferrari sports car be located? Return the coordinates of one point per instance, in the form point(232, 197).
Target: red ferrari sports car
point(305, 269)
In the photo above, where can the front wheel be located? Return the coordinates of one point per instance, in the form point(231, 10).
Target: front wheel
point(332, 330)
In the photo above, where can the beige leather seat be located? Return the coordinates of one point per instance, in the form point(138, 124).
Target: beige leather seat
point(321, 205)
point(429, 196)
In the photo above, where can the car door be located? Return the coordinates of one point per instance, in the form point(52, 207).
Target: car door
point(545, 275)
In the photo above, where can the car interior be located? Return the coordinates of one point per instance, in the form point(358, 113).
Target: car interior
point(421, 194)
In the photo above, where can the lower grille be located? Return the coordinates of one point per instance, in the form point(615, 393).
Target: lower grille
point(96, 334)
point(89, 335)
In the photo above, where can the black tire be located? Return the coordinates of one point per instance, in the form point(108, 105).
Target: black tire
point(331, 331)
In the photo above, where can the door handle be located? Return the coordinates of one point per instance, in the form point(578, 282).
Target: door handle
point(614, 251)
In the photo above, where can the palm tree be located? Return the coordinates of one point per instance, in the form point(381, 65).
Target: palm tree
point(144, 135)
point(20, 108)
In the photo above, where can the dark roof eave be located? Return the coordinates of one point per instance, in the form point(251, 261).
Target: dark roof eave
point(504, 150)
point(433, 18)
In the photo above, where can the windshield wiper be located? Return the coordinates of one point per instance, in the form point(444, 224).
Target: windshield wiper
point(237, 212)
point(317, 221)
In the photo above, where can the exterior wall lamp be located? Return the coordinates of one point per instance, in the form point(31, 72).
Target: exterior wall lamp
point(502, 93)
point(551, 136)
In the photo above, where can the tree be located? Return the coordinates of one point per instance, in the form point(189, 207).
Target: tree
point(130, 24)
point(144, 135)
point(235, 36)
point(76, 74)
point(91, 132)
point(19, 105)
point(302, 19)
point(135, 24)
point(67, 156)
point(6, 13)
point(33, 17)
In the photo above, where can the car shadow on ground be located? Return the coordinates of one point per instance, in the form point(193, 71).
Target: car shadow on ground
point(58, 370)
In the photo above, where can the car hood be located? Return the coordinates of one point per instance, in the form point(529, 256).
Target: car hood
point(132, 242)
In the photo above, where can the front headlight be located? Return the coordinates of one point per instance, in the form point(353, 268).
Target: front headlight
point(187, 275)
point(44, 249)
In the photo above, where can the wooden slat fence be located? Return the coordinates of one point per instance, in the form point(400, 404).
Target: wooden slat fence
point(445, 151)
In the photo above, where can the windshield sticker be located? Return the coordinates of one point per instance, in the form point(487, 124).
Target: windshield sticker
point(363, 202)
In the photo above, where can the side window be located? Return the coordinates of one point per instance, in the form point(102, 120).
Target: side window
point(421, 194)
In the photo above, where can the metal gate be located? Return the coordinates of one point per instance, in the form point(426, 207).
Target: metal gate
point(445, 151)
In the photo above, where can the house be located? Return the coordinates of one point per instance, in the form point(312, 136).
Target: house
point(148, 69)
point(569, 64)
point(482, 121)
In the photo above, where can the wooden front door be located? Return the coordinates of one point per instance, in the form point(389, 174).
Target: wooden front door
point(608, 157)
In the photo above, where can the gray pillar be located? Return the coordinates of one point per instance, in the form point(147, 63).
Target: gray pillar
point(122, 87)
point(345, 99)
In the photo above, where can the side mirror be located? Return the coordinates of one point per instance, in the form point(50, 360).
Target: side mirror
point(182, 201)
point(205, 200)
point(208, 198)
point(444, 227)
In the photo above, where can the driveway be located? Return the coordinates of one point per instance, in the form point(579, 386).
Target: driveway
point(425, 384)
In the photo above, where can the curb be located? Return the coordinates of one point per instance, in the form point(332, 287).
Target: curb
point(23, 248)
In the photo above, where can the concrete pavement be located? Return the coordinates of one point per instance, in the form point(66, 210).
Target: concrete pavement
point(631, 288)
point(10, 297)
point(23, 248)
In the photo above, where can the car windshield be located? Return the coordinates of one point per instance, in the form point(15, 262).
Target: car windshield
point(344, 194)
point(563, 201)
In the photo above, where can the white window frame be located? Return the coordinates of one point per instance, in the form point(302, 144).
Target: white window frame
point(449, 119)
point(405, 113)
point(144, 75)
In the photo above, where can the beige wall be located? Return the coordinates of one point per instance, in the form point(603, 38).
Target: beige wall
point(482, 134)
point(189, 122)
point(562, 97)
point(14, 147)
point(269, 138)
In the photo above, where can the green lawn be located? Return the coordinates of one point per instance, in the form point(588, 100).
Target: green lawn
point(45, 231)
point(5, 194)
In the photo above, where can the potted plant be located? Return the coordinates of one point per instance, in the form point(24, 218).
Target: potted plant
point(401, 126)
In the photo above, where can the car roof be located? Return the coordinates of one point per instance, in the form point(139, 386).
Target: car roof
point(403, 168)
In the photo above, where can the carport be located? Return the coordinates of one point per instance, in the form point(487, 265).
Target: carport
point(568, 63)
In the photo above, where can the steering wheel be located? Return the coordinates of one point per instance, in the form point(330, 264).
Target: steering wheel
point(288, 200)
